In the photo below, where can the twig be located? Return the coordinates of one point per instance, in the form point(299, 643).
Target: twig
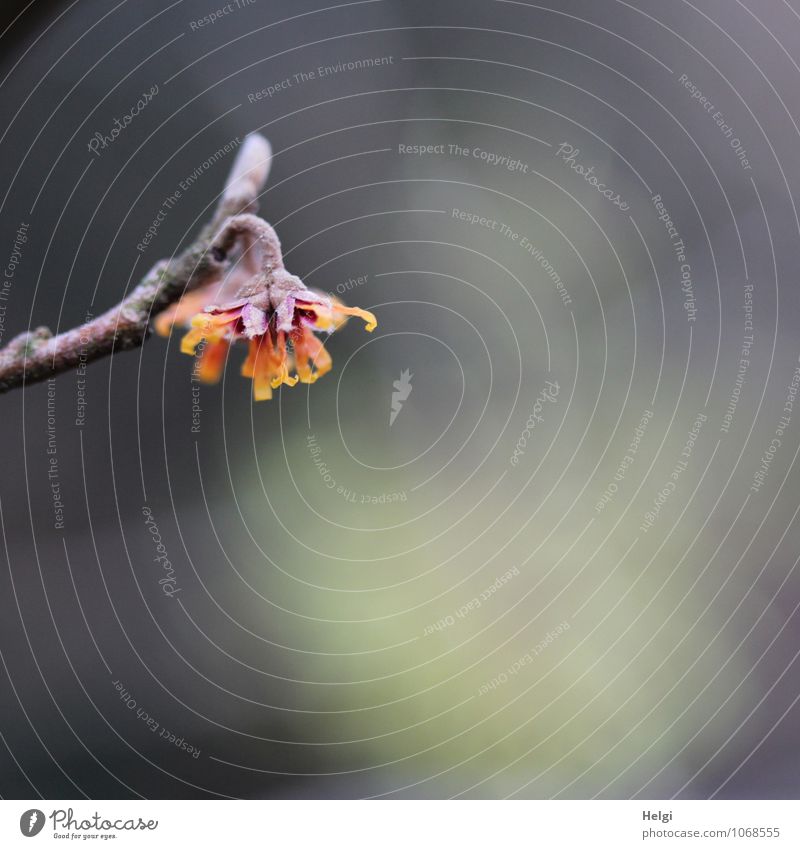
point(37, 355)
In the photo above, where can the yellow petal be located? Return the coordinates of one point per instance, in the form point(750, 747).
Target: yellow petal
point(368, 317)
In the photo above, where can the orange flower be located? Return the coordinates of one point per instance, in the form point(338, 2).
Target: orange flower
point(275, 314)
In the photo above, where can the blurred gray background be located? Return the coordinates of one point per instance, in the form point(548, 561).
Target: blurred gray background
point(445, 605)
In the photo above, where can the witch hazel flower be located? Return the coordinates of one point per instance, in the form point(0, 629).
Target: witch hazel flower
point(272, 311)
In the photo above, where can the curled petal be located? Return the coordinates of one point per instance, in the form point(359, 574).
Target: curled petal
point(284, 314)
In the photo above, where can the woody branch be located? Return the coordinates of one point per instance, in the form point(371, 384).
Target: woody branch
point(38, 354)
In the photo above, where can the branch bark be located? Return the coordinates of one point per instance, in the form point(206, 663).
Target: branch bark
point(37, 355)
